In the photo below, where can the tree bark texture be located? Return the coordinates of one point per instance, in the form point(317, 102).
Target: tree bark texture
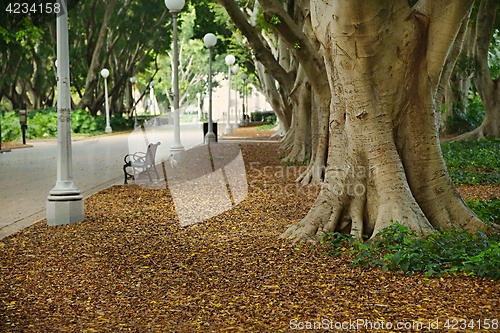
point(384, 62)
point(488, 88)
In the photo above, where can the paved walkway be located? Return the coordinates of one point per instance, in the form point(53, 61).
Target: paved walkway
point(27, 175)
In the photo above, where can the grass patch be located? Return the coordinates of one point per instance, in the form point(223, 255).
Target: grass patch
point(265, 127)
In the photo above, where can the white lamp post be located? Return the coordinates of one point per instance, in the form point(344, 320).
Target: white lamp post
point(210, 41)
point(105, 74)
point(235, 71)
point(152, 97)
point(244, 76)
point(229, 62)
point(198, 97)
point(64, 203)
point(133, 80)
point(177, 149)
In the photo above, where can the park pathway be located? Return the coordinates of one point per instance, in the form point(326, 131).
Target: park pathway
point(27, 175)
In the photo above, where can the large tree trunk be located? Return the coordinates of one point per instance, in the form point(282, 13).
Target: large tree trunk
point(384, 61)
point(301, 97)
point(274, 98)
point(488, 88)
point(455, 81)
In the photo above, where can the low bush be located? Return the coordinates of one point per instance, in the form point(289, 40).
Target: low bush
point(82, 122)
point(473, 162)
point(43, 124)
point(11, 130)
point(443, 252)
point(466, 119)
point(487, 210)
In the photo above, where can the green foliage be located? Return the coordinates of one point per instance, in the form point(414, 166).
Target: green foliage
point(42, 124)
point(120, 123)
point(270, 119)
point(443, 252)
point(473, 162)
point(275, 20)
point(11, 130)
point(266, 127)
point(83, 122)
point(466, 118)
point(465, 66)
point(487, 210)
point(494, 55)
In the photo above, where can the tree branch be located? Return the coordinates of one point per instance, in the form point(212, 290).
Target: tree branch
point(484, 30)
point(298, 42)
point(445, 18)
point(262, 54)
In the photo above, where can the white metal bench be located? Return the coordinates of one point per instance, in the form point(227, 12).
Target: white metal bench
point(141, 163)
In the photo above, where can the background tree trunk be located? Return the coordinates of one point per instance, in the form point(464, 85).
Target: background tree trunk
point(384, 60)
point(488, 88)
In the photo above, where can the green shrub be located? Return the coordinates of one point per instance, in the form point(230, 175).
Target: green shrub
point(443, 252)
point(487, 210)
point(11, 129)
point(42, 125)
point(82, 122)
point(271, 119)
point(473, 162)
point(460, 122)
point(33, 113)
point(116, 121)
point(120, 123)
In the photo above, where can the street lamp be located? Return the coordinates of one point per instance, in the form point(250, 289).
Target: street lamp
point(210, 41)
point(235, 71)
point(244, 76)
point(229, 62)
point(152, 100)
point(64, 203)
point(177, 149)
point(133, 80)
point(105, 74)
point(198, 97)
point(152, 97)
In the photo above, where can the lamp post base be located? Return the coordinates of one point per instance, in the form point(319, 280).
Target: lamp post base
point(108, 129)
point(228, 130)
point(64, 210)
point(210, 138)
point(178, 152)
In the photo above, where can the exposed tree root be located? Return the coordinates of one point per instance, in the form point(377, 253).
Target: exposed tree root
point(474, 135)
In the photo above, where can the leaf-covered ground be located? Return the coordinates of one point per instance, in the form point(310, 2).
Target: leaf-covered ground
point(131, 267)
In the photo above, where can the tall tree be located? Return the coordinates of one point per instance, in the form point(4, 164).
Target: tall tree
point(124, 36)
point(193, 64)
point(487, 85)
point(294, 62)
point(26, 66)
point(384, 60)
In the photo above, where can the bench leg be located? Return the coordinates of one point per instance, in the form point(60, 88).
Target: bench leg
point(156, 171)
point(126, 174)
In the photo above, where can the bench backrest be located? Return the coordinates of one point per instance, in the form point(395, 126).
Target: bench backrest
point(151, 153)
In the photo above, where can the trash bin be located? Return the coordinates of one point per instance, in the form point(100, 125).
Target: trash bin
point(214, 129)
